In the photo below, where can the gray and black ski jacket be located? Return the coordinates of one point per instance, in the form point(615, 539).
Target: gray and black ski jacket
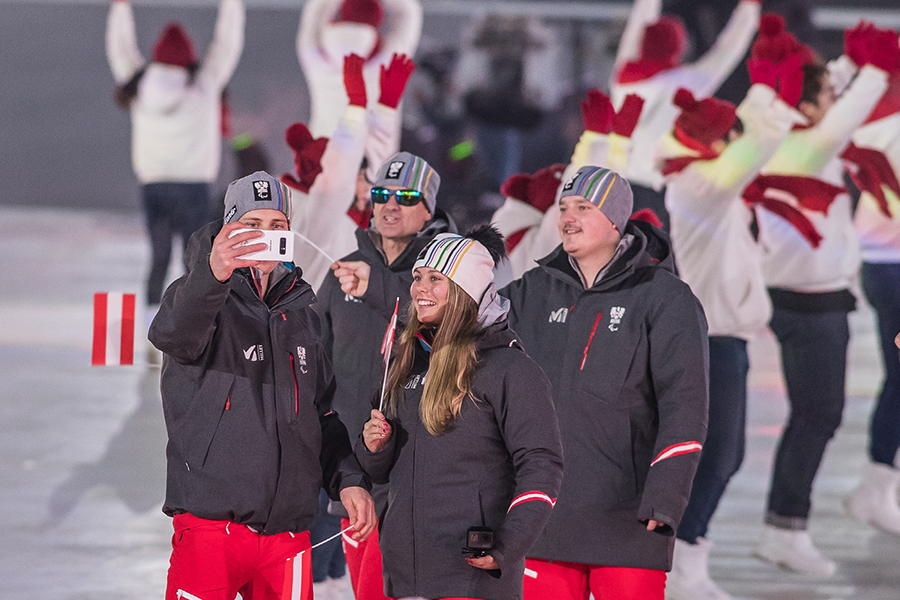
point(500, 466)
point(629, 362)
point(246, 393)
point(353, 328)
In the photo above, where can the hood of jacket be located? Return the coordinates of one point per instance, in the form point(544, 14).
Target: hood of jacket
point(651, 247)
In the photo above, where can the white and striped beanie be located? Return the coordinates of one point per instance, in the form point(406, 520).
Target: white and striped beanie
point(410, 172)
point(464, 260)
point(606, 190)
point(255, 191)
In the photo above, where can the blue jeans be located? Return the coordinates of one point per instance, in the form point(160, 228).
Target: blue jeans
point(881, 284)
point(170, 209)
point(814, 361)
point(328, 559)
point(723, 450)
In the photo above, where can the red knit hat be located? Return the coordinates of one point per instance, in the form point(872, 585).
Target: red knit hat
point(368, 12)
point(174, 47)
point(664, 40)
point(774, 43)
point(703, 121)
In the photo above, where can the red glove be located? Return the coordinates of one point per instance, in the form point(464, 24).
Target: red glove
point(790, 79)
point(353, 80)
point(856, 42)
point(883, 50)
point(538, 190)
point(597, 112)
point(393, 79)
point(307, 156)
point(624, 121)
point(763, 71)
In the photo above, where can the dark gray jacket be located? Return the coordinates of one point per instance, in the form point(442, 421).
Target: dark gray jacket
point(500, 466)
point(353, 328)
point(246, 392)
point(628, 360)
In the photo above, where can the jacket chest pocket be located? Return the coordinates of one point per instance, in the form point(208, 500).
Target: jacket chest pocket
point(604, 351)
point(303, 381)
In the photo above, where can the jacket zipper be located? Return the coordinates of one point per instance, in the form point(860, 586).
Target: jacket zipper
point(590, 339)
point(296, 387)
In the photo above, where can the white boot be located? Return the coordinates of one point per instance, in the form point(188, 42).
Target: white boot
point(875, 499)
point(793, 549)
point(689, 578)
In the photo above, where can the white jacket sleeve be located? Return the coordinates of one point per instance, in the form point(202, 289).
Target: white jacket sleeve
point(333, 191)
point(227, 44)
point(643, 13)
point(705, 75)
point(313, 17)
point(380, 144)
point(122, 51)
point(850, 111)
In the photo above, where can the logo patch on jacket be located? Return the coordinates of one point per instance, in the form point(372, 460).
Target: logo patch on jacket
point(615, 317)
point(414, 382)
point(301, 355)
point(394, 169)
point(261, 191)
point(254, 353)
point(559, 315)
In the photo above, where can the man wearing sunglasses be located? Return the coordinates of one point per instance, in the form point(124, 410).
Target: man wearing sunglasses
point(356, 305)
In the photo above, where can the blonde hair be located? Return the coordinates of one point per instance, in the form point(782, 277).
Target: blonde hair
point(452, 364)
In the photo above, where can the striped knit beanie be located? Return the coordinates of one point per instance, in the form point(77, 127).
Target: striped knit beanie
point(606, 190)
point(463, 260)
point(255, 191)
point(410, 173)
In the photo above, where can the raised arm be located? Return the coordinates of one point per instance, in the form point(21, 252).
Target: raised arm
point(228, 42)
point(643, 13)
point(313, 17)
point(122, 51)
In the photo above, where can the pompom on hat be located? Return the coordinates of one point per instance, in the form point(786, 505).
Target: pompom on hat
point(410, 172)
point(664, 40)
point(367, 12)
point(174, 47)
point(703, 121)
point(606, 190)
point(255, 191)
point(775, 44)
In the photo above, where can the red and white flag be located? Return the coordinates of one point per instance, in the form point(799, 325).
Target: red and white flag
point(113, 329)
point(386, 346)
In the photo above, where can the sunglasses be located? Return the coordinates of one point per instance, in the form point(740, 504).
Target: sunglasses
point(381, 195)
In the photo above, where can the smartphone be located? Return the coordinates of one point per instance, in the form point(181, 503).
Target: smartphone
point(280, 245)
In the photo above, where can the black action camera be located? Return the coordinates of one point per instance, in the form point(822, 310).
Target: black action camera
point(478, 541)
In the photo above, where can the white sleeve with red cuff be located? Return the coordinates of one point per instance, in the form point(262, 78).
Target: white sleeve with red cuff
point(228, 42)
point(122, 51)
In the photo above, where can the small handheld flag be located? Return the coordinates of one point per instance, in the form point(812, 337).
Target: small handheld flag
point(386, 347)
point(113, 342)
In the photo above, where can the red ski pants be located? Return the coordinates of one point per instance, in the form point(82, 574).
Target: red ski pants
point(214, 560)
point(575, 581)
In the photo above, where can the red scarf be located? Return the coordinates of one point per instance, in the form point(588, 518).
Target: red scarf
point(811, 194)
point(872, 172)
point(678, 164)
